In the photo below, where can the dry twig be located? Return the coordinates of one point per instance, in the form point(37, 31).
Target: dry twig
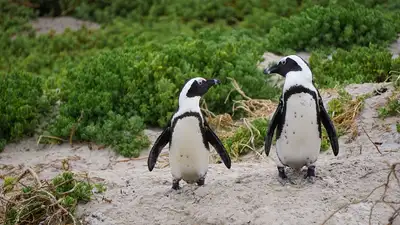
point(73, 129)
point(369, 138)
point(135, 159)
point(382, 199)
point(50, 137)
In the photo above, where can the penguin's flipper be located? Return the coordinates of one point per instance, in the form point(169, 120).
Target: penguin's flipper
point(329, 127)
point(272, 126)
point(213, 139)
point(159, 144)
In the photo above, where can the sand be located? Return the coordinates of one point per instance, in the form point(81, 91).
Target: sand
point(248, 193)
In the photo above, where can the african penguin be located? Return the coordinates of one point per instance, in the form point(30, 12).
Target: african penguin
point(189, 136)
point(297, 119)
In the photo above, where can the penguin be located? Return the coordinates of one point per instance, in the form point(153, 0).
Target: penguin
point(297, 119)
point(189, 136)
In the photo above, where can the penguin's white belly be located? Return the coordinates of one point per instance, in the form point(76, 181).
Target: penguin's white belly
point(299, 143)
point(188, 156)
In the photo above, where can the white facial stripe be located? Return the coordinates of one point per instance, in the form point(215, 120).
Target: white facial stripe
point(283, 60)
point(303, 77)
point(189, 104)
point(200, 80)
point(187, 86)
point(300, 62)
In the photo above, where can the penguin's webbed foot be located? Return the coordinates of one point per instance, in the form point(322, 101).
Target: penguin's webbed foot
point(310, 176)
point(283, 178)
point(200, 182)
point(175, 184)
point(282, 173)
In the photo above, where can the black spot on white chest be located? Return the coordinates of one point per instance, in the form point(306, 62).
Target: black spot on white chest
point(188, 128)
point(299, 113)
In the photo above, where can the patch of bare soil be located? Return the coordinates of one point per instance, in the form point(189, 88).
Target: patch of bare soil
point(248, 193)
point(59, 24)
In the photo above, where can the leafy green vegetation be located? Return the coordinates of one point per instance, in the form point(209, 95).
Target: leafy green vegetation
point(47, 202)
point(332, 26)
point(8, 183)
point(395, 73)
point(11, 25)
point(143, 81)
point(107, 85)
point(22, 103)
point(77, 191)
point(360, 64)
point(392, 107)
point(197, 12)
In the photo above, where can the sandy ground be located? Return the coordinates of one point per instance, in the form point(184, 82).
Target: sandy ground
point(248, 193)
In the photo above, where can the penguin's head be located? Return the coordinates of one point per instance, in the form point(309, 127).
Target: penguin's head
point(195, 88)
point(291, 64)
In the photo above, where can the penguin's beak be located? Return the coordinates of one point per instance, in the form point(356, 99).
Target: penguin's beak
point(272, 69)
point(205, 86)
point(212, 82)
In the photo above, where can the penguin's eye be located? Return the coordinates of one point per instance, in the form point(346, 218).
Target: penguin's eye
point(200, 82)
point(283, 62)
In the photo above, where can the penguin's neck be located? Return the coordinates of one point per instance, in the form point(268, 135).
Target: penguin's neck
point(298, 78)
point(189, 104)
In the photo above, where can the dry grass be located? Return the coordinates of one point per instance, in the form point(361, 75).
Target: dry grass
point(226, 127)
point(344, 111)
point(35, 206)
point(28, 200)
point(253, 108)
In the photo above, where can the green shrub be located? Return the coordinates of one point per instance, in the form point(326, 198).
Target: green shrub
point(146, 76)
point(231, 11)
point(385, 4)
point(358, 65)
point(331, 26)
point(78, 191)
point(47, 53)
point(22, 103)
point(13, 18)
point(115, 80)
point(260, 21)
point(395, 72)
point(144, 81)
point(200, 12)
point(392, 107)
point(96, 91)
point(106, 11)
